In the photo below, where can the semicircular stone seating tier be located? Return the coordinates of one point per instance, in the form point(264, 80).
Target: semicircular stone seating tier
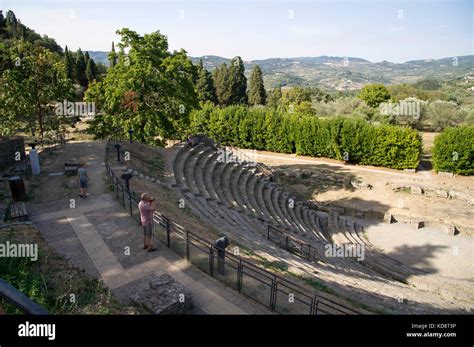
point(236, 195)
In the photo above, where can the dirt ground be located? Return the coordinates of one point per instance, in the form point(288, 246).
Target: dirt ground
point(428, 141)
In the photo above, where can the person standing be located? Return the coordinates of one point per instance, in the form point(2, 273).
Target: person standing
point(146, 207)
point(83, 179)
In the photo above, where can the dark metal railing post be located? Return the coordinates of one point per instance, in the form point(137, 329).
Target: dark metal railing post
point(268, 232)
point(240, 275)
point(130, 202)
point(168, 239)
point(314, 306)
point(187, 245)
point(273, 295)
point(123, 196)
point(287, 243)
point(211, 261)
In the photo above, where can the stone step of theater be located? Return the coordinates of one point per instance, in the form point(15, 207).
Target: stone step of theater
point(237, 198)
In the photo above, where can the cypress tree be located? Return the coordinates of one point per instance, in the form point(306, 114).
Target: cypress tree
point(2, 25)
point(81, 68)
point(69, 63)
point(11, 23)
point(91, 71)
point(205, 85)
point(257, 94)
point(112, 56)
point(86, 57)
point(221, 77)
point(238, 82)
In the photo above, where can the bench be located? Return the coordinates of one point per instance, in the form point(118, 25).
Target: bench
point(18, 211)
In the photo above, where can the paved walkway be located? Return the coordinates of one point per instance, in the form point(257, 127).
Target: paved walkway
point(96, 232)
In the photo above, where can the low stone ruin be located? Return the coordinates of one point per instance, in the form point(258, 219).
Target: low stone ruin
point(391, 218)
point(164, 296)
point(361, 185)
point(434, 192)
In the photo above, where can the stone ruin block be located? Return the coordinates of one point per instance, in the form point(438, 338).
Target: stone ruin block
point(445, 174)
point(419, 224)
point(453, 194)
point(361, 185)
point(164, 296)
point(451, 230)
point(389, 218)
point(442, 193)
point(416, 190)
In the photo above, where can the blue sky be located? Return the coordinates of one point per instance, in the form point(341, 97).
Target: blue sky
point(376, 30)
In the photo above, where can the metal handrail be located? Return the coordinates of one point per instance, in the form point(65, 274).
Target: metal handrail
point(20, 300)
point(310, 253)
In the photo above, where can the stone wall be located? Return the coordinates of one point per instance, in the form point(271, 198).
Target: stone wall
point(8, 147)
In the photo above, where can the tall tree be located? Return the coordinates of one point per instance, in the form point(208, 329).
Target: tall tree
point(257, 94)
point(69, 63)
point(238, 81)
point(205, 85)
point(151, 92)
point(221, 76)
point(28, 90)
point(112, 56)
point(86, 57)
point(3, 25)
point(11, 23)
point(80, 65)
point(91, 71)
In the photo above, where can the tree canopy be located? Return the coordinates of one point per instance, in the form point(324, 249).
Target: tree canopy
point(257, 94)
point(150, 90)
point(205, 85)
point(36, 79)
point(374, 94)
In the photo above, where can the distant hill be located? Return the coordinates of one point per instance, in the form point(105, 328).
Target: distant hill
point(99, 57)
point(341, 73)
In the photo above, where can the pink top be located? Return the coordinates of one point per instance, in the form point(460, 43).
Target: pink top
point(146, 212)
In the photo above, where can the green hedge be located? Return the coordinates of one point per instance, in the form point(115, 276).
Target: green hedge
point(454, 150)
point(340, 138)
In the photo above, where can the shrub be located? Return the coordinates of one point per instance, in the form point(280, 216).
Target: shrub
point(454, 150)
point(374, 94)
point(351, 139)
point(443, 114)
